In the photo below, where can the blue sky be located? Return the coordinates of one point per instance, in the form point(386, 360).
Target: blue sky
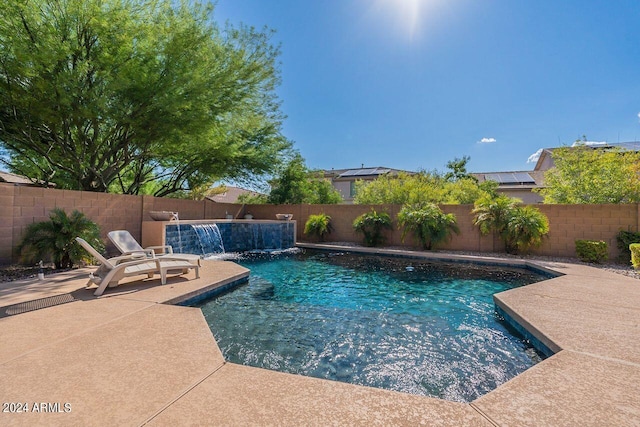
point(411, 84)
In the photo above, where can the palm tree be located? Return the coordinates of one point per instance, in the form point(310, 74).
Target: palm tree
point(492, 213)
point(371, 225)
point(519, 227)
point(318, 226)
point(428, 224)
point(526, 227)
point(55, 239)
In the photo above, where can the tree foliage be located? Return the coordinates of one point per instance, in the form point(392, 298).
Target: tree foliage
point(135, 96)
point(458, 169)
point(253, 199)
point(296, 184)
point(583, 174)
point(421, 188)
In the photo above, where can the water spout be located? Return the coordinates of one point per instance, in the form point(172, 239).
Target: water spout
point(174, 216)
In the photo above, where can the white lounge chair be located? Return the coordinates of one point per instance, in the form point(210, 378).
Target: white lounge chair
point(128, 245)
point(112, 270)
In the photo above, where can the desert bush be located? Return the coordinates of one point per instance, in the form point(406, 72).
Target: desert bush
point(592, 250)
point(624, 239)
point(634, 248)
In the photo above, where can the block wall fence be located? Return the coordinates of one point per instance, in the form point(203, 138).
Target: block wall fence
point(23, 205)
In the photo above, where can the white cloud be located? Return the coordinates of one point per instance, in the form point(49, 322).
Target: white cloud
point(535, 156)
point(589, 143)
point(487, 141)
point(638, 116)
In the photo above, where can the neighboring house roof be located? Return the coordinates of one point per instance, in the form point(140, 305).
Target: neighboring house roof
point(12, 178)
point(361, 173)
point(545, 161)
point(231, 195)
point(518, 184)
point(515, 178)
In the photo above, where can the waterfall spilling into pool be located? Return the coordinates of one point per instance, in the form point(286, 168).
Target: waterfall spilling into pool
point(215, 237)
point(209, 238)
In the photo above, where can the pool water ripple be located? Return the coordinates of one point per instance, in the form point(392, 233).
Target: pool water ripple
point(432, 331)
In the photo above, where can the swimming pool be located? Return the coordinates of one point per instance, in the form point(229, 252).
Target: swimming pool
point(400, 324)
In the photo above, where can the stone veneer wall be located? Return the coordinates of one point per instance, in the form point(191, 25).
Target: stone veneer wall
point(22, 205)
point(237, 236)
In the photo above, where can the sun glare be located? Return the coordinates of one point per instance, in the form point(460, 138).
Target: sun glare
point(409, 11)
point(408, 17)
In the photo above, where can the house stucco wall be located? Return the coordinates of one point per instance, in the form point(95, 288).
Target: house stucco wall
point(525, 194)
point(344, 188)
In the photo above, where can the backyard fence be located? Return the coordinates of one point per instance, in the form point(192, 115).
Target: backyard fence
point(23, 205)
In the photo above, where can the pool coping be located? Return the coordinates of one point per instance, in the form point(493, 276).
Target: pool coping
point(591, 315)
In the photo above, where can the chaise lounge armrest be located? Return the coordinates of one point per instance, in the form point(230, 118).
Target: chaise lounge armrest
point(124, 258)
point(166, 249)
point(147, 253)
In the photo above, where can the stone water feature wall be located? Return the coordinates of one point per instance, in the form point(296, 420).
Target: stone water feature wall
point(237, 235)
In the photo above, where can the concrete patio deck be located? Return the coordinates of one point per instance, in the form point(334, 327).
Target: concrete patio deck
point(131, 358)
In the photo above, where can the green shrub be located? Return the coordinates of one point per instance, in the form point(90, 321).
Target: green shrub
point(624, 239)
point(519, 227)
point(427, 223)
point(634, 248)
point(492, 213)
point(54, 240)
point(372, 224)
point(318, 226)
point(592, 250)
point(526, 226)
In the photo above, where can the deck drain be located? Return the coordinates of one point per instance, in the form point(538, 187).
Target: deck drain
point(37, 304)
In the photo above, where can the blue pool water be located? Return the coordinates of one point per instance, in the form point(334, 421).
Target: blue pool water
point(399, 324)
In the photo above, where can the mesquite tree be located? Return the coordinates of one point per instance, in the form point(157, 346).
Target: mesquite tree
point(135, 96)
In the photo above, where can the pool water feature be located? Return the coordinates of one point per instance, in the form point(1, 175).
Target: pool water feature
point(209, 238)
point(212, 237)
point(430, 329)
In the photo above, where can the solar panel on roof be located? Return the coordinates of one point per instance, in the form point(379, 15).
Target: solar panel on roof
point(366, 172)
point(635, 145)
point(524, 178)
point(510, 178)
point(493, 177)
point(363, 172)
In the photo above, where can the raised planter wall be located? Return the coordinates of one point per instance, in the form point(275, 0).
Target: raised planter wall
point(237, 235)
